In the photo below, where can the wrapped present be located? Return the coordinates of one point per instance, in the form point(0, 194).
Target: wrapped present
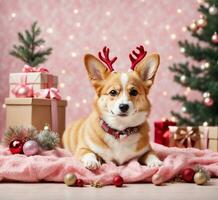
point(211, 133)
point(31, 81)
point(36, 112)
point(184, 137)
point(161, 132)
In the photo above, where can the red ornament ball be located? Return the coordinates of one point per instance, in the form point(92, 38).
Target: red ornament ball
point(188, 175)
point(79, 183)
point(118, 181)
point(16, 147)
point(208, 102)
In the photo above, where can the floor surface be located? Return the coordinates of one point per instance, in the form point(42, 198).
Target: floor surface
point(47, 191)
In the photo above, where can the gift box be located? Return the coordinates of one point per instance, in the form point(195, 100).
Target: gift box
point(161, 134)
point(36, 112)
point(184, 137)
point(37, 80)
point(211, 133)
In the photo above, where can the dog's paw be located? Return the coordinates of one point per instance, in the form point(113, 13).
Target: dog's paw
point(153, 161)
point(90, 162)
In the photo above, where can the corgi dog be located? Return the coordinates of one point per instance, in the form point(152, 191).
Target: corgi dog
point(117, 129)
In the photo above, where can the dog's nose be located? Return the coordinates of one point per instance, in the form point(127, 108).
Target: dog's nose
point(123, 107)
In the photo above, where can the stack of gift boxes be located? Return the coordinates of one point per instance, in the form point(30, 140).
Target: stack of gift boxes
point(34, 100)
point(201, 137)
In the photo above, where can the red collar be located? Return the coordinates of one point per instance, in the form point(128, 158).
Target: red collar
point(128, 131)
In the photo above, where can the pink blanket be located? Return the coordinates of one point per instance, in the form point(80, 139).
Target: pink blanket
point(53, 165)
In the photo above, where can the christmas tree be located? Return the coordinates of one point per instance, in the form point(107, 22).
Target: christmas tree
point(29, 50)
point(202, 74)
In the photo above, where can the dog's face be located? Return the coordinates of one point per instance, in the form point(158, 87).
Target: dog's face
point(121, 98)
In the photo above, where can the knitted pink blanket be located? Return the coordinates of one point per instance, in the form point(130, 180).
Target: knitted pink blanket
point(53, 165)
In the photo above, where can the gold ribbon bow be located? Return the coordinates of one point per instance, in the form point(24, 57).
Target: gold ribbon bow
point(186, 137)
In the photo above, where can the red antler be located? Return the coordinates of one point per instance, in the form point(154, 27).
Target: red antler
point(106, 58)
point(139, 56)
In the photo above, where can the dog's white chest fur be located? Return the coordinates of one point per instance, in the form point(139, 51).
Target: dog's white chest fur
point(123, 149)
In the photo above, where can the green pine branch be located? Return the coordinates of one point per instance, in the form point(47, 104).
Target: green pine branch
point(195, 78)
point(196, 113)
point(181, 68)
point(182, 120)
point(178, 97)
point(212, 24)
point(27, 49)
point(197, 52)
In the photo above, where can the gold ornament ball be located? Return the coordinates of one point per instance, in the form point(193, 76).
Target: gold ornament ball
point(183, 109)
point(96, 184)
point(206, 94)
point(206, 65)
point(202, 66)
point(205, 124)
point(183, 79)
point(70, 179)
point(182, 50)
point(193, 27)
point(46, 128)
point(157, 179)
point(213, 10)
point(202, 22)
point(200, 178)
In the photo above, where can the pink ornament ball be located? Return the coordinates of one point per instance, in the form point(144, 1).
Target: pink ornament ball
point(24, 91)
point(30, 148)
point(215, 38)
point(208, 101)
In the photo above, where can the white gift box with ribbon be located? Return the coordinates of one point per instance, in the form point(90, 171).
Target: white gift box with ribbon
point(36, 78)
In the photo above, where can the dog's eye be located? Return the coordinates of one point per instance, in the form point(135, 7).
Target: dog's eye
point(133, 92)
point(113, 93)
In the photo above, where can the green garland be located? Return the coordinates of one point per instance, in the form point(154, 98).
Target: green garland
point(46, 138)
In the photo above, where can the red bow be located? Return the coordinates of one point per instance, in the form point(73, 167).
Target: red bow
point(27, 69)
point(51, 93)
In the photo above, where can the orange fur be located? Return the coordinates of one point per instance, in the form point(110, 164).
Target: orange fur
point(86, 137)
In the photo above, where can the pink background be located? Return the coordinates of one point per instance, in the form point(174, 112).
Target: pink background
point(74, 28)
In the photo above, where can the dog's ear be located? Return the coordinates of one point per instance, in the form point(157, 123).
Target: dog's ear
point(147, 68)
point(96, 70)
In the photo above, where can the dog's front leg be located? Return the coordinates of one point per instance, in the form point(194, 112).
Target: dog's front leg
point(150, 159)
point(88, 158)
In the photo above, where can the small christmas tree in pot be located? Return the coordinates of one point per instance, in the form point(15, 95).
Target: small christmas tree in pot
point(32, 52)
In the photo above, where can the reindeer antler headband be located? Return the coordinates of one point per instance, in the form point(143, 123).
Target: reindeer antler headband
point(106, 58)
point(134, 59)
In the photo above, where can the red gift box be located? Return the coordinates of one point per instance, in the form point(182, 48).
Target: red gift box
point(161, 132)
